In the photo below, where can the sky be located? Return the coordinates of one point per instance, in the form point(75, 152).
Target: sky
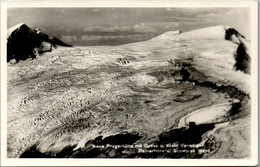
point(114, 26)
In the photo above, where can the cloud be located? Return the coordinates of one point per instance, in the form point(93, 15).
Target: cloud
point(238, 18)
point(148, 27)
point(87, 21)
point(69, 38)
point(95, 10)
point(223, 14)
point(109, 37)
point(181, 18)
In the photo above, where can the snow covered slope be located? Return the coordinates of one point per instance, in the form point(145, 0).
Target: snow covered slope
point(216, 32)
point(72, 102)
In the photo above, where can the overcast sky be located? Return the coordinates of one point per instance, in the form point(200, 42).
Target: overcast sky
point(86, 24)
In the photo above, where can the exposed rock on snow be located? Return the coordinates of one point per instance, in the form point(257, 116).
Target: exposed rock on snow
point(24, 42)
point(12, 29)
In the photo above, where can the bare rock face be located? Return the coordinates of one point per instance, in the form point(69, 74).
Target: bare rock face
point(24, 42)
point(242, 55)
point(139, 100)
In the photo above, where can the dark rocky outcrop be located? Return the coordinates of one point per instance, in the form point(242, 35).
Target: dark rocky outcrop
point(230, 32)
point(24, 42)
point(242, 57)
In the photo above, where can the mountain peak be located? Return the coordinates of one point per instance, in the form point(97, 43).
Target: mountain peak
point(15, 27)
point(24, 42)
point(215, 32)
point(219, 32)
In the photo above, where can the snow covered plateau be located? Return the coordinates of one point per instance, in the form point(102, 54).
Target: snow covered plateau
point(178, 95)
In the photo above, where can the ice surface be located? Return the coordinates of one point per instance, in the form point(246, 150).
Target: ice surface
point(70, 97)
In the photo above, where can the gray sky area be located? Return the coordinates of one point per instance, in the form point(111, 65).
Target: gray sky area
point(112, 26)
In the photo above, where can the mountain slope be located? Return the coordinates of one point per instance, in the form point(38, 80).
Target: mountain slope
point(24, 42)
point(129, 101)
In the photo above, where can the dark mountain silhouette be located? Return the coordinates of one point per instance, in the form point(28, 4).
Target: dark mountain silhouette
point(242, 58)
point(24, 42)
point(232, 31)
